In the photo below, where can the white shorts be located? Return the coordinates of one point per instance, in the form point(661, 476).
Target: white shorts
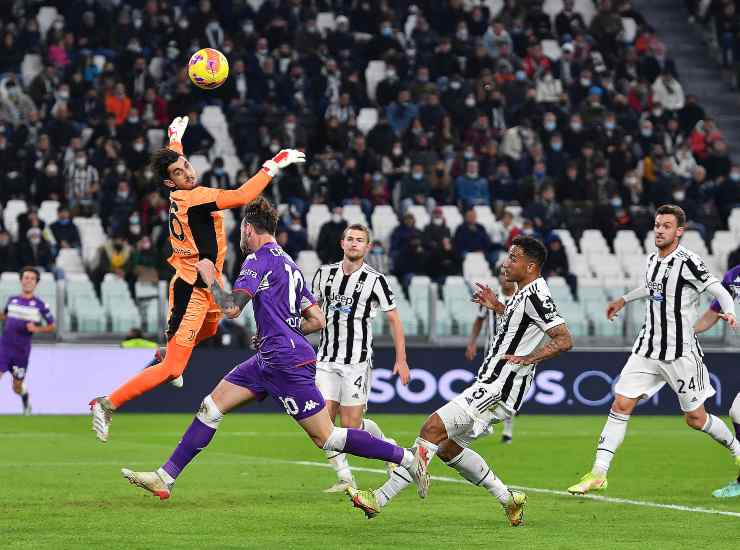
point(687, 376)
point(347, 385)
point(473, 414)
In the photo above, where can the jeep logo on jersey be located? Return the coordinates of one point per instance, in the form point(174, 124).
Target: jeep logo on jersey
point(655, 286)
point(342, 300)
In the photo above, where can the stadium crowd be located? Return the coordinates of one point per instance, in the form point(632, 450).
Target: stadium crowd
point(473, 109)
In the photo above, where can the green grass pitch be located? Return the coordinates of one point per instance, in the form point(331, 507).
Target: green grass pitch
point(60, 488)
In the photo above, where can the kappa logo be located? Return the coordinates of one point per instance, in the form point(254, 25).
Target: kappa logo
point(310, 405)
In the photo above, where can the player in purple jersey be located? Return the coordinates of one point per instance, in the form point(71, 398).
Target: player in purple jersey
point(731, 282)
point(284, 366)
point(22, 315)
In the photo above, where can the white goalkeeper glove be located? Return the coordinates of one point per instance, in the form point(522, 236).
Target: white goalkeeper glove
point(283, 159)
point(177, 129)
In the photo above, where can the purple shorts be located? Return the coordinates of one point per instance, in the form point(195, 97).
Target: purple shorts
point(14, 364)
point(294, 388)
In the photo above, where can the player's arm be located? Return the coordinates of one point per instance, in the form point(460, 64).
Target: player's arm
point(231, 303)
point(615, 306)
point(487, 298)
point(175, 131)
point(706, 321)
point(726, 303)
point(313, 320)
point(401, 367)
point(560, 342)
point(251, 189)
point(472, 348)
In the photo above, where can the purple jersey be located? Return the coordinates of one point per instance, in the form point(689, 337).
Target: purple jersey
point(731, 282)
point(20, 311)
point(279, 296)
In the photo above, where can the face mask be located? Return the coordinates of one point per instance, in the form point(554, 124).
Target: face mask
point(679, 195)
point(336, 218)
point(630, 181)
point(148, 174)
point(539, 175)
point(274, 147)
point(616, 202)
point(52, 170)
point(397, 151)
point(123, 195)
point(184, 23)
point(290, 126)
point(550, 126)
point(647, 133)
point(468, 155)
point(64, 95)
point(438, 221)
point(120, 168)
point(521, 75)
point(576, 126)
point(378, 250)
point(138, 23)
point(585, 82)
point(556, 145)
point(391, 74)
point(81, 162)
point(296, 227)
point(387, 31)
point(735, 176)
point(455, 85)
point(35, 240)
point(528, 231)
point(58, 25)
point(138, 147)
point(462, 35)
point(473, 175)
point(248, 28)
point(610, 125)
point(13, 92)
point(470, 102)
point(417, 176)
point(133, 119)
point(135, 229)
point(657, 112)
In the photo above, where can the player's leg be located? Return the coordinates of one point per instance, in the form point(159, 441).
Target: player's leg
point(732, 489)
point(19, 387)
point(329, 383)
point(640, 378)
point(508, 432)
point(240, 386)
point(700, 419)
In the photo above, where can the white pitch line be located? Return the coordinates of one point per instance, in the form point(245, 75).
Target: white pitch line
point(611, 500)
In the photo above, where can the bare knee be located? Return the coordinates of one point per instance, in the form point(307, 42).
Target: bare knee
point(434, 429)
point(696, 419)
point(350, 418)
point(624, 405)
point(18, 386)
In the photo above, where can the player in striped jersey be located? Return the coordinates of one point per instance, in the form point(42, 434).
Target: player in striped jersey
point(731, 281)
point(488, 316)
point(666, 350)
point(350, 292)
point(503, 380)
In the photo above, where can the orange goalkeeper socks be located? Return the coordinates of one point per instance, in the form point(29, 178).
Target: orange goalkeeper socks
point(175, 362)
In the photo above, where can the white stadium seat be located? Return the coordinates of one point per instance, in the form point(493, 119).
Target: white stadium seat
point(374, 73)
point(13, 208)
point(367, 119)
point(421, 216)
point(325, 22)
point(384, 221)
point(453, 217)
point(318, 215)
point(48, 211)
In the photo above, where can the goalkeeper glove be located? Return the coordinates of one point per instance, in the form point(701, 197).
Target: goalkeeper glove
point(177, 129)
point(283, 159)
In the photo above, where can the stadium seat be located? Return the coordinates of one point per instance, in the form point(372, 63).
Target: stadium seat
point(649, 242)
point(318, 215)
point(551, 49)
point(13, 208)
point(693, 241)
point(147, 300)
point(452, 217)
point(475, 267)
point(384, 221)
point(31, 66)
point(629, 30)
point(325, 22)
point(485, 216)
point(309, 263)
point(734, 222)
point(354, 214)
point(626, 243)
point(199, 163)
point(374, 73)
point(367, 119)
point(48, 211)
point(69, 261)
point(421, 216)
point(419, 296)
point(155, 137)
point(45, 17)
point(593, 243)
point(723, 243)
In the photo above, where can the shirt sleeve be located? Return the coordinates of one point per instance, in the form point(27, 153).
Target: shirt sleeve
point(316, 286)
point(727, 283)
point(250, 276)
point(384, 294)
point(695, 272)
point(541, 309)
point(202, 196)
point(46, 313)
point(307, 299)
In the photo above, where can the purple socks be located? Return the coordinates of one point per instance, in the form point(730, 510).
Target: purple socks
point(361, 443)
point(193, 441)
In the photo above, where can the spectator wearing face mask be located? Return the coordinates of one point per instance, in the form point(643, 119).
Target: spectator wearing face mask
point(556, 265)
point(330, 234)
point(64, 230)
point(136, 155)
point(443, 262)
point(471, 236)
point(82, 183)
point(9, 259)
point(35, 250)
point(415, 189)
point(115, 256)
point(216, 177)
point(436, 230)
point(118, 103)
point(669, 92)
point(556, 159)
point(727, 195)
point(401, 113)
point(49, 183)
point(15, 106)
point(378, 258)
point(132, 127)
point(297, 237)
point(470, 188)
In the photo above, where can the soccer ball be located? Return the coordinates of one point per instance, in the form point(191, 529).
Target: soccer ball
point(208, 68)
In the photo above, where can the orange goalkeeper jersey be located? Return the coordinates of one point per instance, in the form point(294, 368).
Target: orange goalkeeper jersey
point(197, 223)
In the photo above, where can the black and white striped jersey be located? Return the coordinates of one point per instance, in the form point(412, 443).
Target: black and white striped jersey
point(490, 316)
point(674, 283)
point(529, 314)
point(350, 302)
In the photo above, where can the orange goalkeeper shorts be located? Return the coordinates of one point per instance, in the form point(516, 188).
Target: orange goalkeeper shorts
point(190, 308)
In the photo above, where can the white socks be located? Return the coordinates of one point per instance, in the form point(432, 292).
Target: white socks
point(341, 465)
point(508, 430)
point(719, 431)
point(399, 479)
point(371, 427)
point(610, 440)
point(472, 467)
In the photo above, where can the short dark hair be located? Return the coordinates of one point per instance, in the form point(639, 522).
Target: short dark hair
point(32, 270)
point(161, 160)
point(533, 248)
point(673, 210)
point(356, 227)
point(261, 215)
